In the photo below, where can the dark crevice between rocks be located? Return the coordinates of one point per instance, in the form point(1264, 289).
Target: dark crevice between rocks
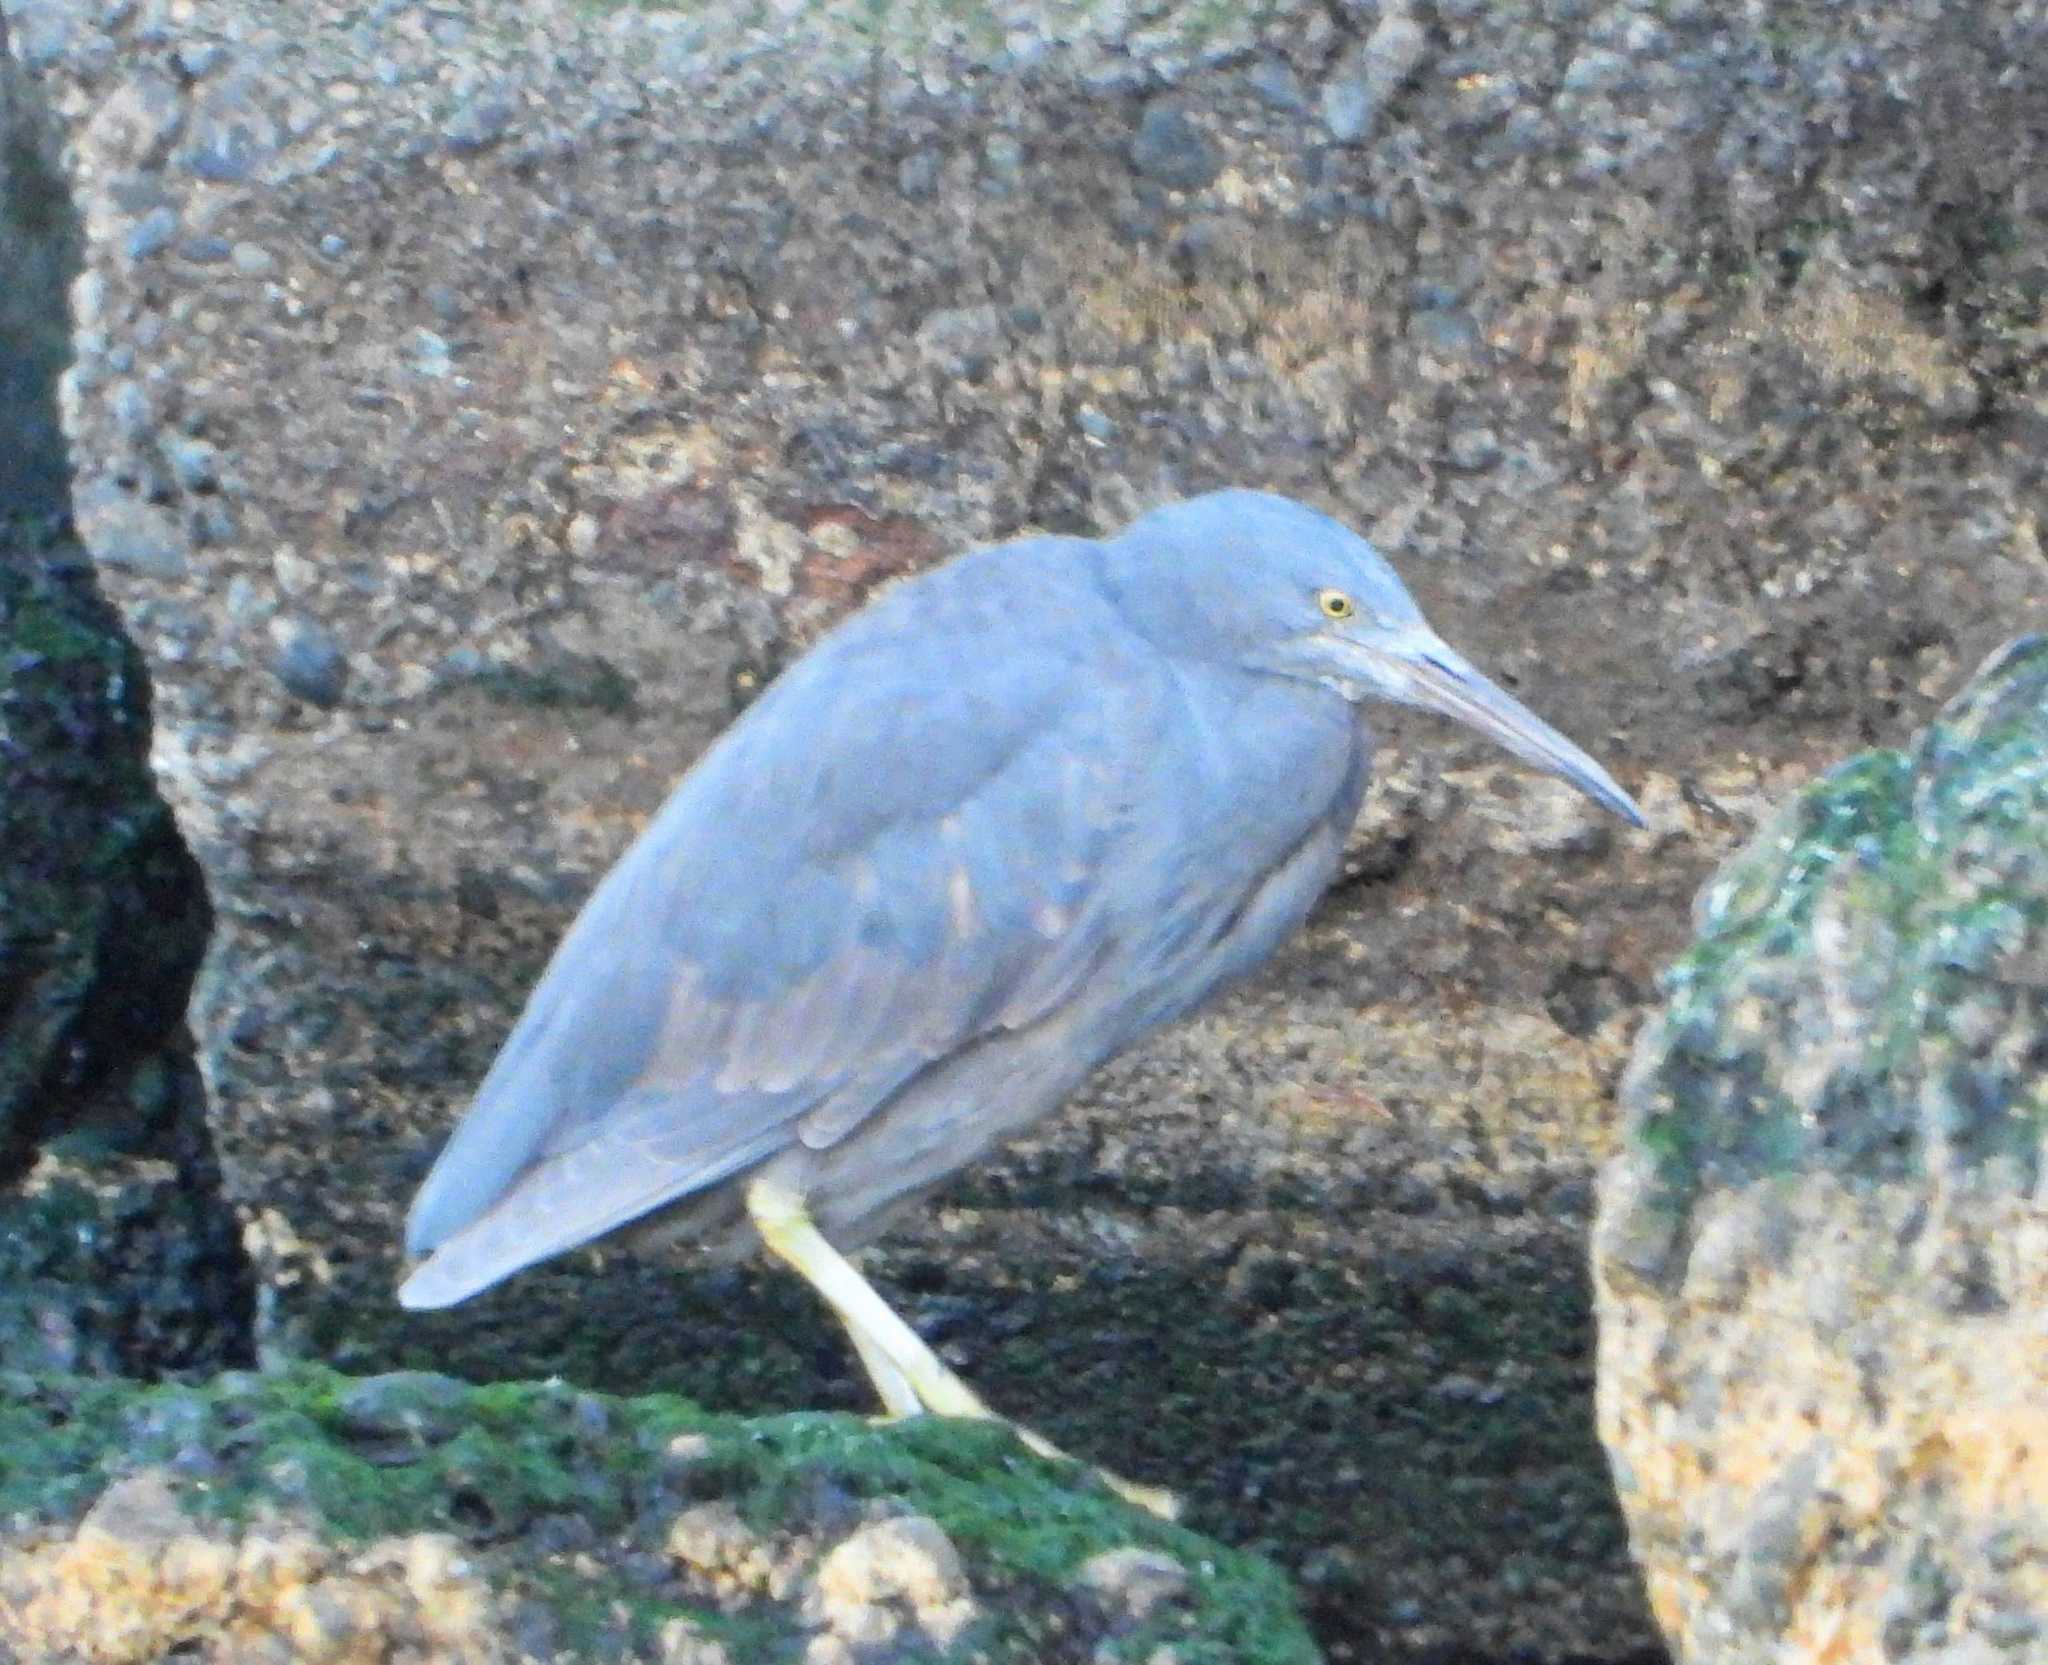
point(118, 1252)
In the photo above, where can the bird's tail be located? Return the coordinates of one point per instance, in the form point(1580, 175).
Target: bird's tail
point(572, 1199)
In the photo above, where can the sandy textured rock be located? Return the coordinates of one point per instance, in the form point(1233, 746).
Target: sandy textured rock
point(275, 1518)
point(1822, 1254)
point(473, 408)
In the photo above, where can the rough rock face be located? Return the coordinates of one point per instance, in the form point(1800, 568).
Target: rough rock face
point(1822, 1253)
point(39, 238)
point(117, 1252)
point(409, 1518)
point(474, 406)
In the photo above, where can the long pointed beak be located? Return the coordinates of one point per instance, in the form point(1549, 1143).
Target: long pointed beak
point(1432, 675)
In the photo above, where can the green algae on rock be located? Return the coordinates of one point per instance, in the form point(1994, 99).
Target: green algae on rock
point(413, 1517)
point(1822, 1254)
point(1865, 996)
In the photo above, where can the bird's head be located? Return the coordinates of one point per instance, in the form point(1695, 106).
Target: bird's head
point(1276, 586)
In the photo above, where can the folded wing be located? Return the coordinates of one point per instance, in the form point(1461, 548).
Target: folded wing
point(900, 848)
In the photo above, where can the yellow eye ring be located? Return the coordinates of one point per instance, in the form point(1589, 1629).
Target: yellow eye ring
point(1336, 604)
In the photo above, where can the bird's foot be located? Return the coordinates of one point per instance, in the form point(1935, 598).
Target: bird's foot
point(1155, 1500)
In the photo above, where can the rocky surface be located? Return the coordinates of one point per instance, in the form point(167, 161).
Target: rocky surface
point(39, 234)
point(472, 410)
point(410, 1518)
point(1823, 1245)
point(117, 1252)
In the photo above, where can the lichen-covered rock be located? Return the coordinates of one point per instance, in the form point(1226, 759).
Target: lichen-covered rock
point(270, 1518)
point(1822, 1255)
point(102, 918)
point(118, 1252)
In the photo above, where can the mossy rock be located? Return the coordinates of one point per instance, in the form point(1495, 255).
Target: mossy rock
point(103, 915)
point(312, 1515)
point(117, 1252)
point(1867, 996)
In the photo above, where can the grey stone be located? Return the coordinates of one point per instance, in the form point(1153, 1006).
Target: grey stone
point(132, 536)
point(1135, 1582)
point(1172, 149)
point(152, 233)
point(1474, 448)
point(136, 123)
point(194, 463)
point(1596, 71)
point(413, 1405)
point(962, 341)
point(309, 662)
point(200, 59)
point(227, 149)
point(1357, 90)
point(430, 355)
point(1276, 85)
point(1446, 331)
point(253, 260)
point(1002, 157)
point(917, 175)
point(41, 32)
point(134, 416)
point(1349, 110)
point(484, 118)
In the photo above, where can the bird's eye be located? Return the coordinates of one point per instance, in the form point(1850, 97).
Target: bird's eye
point(1336, 604)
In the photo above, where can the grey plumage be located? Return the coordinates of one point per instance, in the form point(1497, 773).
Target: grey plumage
point(1016, 813)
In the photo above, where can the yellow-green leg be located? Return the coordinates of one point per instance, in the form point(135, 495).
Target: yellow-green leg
point(907, 1374)
point(898, 1397)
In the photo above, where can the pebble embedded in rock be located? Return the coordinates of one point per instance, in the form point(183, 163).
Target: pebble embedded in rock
point(1357, 91)
point(917, 175)
point(1172, 149)
point(137, 121)
point(199, 59)
point(905, 1558)
point(152, 233)
point(226, 151)
point(1474, 448)
point(1135, 1581)
point(195, 464)
point(481, 121)
point(134, 415)
point(310, 663)
point(1274, 83)
point(131, 535)
point(418, 1404)
point(1002, 156)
